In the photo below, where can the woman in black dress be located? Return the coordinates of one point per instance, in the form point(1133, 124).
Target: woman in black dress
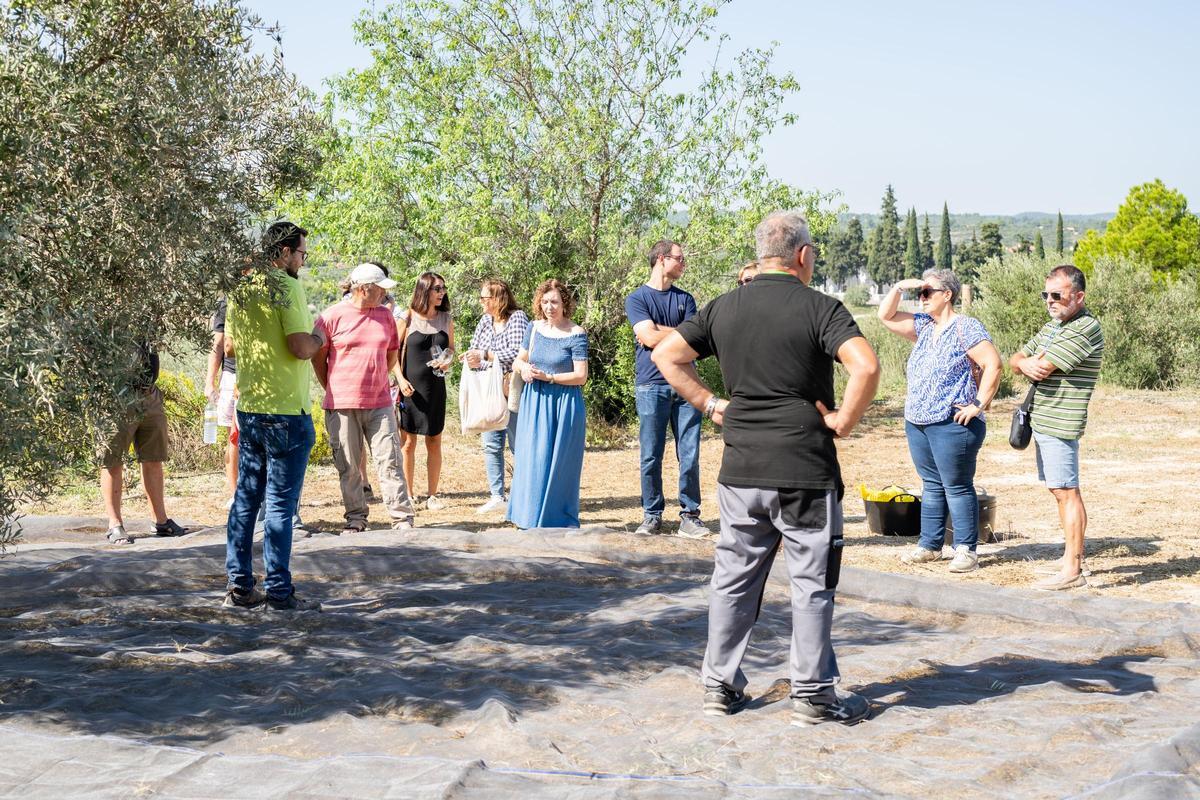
point(426, 352)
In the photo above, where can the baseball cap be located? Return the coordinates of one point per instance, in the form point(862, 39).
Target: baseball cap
point(369, 273)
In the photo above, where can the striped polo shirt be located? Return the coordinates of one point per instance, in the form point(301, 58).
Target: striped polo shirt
point(1075, 347)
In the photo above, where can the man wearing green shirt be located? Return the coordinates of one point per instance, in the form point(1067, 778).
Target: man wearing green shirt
point(1063, 359)
point(269, 324)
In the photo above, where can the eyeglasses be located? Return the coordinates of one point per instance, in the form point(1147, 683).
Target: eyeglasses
point(303, 254)
point(744, 281)
point(485, 297)
point(926, 292)
point(816, 250)
point(1057, 297)
point(441, 289)
point(678, 258)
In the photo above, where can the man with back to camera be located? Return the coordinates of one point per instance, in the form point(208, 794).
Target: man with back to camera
point(780, 482)
point(655, 309)
point(144, 425)
point(1064, 361)
point(274, 340)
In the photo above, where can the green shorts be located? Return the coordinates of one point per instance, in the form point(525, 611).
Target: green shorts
point(146, 430)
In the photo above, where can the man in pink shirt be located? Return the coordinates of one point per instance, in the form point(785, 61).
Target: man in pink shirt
point(353, 367)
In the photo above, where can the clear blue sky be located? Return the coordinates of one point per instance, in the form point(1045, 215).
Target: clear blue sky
point(992, 107)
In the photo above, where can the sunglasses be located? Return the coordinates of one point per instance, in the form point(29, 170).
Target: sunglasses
point(926, 292)
point(441, 289)
point(744, 281)
point(1057, 297)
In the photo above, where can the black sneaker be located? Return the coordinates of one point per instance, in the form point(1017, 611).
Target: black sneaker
point(722, 702)
point(848, 709)
point(169, 528)
point(243, 599)
point(292, 603)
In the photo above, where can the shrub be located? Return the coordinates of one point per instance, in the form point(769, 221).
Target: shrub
point(857, 295)
point(1009, 305)
point(184, 405)
point(1151, 323)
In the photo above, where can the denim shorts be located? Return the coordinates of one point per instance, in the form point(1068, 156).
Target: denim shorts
point(1057, 461)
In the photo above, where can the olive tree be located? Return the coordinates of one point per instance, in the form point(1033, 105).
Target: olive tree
point(140, 144)
point(525, 139)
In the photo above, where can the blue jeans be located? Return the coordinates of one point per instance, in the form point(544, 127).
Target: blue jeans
point(272, 459)
point(659, 406)
point(944, 454)
point(493, 454)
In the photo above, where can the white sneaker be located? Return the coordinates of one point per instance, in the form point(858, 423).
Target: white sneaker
point(493, 504)
point(919, 555)
point(964, 560)
point(433, 503)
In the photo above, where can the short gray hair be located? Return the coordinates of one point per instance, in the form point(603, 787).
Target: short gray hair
point(781, 234)
point(947, 279)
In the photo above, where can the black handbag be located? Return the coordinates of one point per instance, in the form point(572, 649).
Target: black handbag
point(1021, 429)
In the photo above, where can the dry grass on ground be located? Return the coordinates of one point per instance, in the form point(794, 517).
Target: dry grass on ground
point(1140, 472)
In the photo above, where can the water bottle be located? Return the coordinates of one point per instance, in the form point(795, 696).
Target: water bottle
point(438, 354)
point(210, 423)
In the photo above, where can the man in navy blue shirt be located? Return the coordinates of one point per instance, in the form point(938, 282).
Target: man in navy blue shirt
point(654, 310)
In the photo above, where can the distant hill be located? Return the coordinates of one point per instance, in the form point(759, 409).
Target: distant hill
point(1012, 227)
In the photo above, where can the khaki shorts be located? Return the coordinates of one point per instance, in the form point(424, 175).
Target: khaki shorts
point(146, 431)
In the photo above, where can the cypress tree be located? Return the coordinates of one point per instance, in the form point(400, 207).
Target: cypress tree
point(856, 248)
point(912, 246)
point(887, 248)
point(1058, 235)
point(1039, 249)
point(927, 261)
point(945, 252)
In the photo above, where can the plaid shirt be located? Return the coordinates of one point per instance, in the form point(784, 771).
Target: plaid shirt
point(506, 344)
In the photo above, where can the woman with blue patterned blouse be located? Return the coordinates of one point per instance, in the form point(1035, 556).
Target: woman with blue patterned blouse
point(943, 410)
point(551, 429)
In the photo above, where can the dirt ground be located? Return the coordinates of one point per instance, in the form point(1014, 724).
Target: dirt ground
point(1140, 473)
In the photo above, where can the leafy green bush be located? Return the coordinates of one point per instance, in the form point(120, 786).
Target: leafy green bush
point(857, 295)
point(184, 405)
point(1151, 323)
point(322, 452)
point(1009, 306)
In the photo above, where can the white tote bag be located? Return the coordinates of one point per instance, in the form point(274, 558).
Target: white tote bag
point(481, 403)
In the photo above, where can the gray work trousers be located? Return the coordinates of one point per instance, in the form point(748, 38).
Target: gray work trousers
point(347, 430)
point(754, 522)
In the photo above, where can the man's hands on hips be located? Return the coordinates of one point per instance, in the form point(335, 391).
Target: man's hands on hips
point(833, 420)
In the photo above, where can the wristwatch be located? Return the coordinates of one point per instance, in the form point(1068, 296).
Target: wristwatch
point(975, 402)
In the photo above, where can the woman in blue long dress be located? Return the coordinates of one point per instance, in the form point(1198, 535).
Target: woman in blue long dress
point(551, 426)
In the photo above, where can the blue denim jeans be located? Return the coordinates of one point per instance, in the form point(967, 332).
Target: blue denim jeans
point(659, 406)
point(493, 454)
point(944, 454)
point(272, 459)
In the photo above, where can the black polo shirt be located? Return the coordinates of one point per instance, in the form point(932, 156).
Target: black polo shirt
point(776, 341)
